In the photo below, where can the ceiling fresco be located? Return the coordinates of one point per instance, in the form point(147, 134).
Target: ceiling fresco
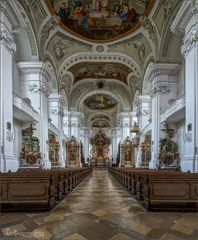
point(100, 123)
point(100, 116)
point(100, 20)
point(100, 102)
point(100, 71)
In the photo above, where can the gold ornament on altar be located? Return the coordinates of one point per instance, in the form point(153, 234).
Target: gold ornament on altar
point(168, 155)
point(54, 151)
point(30, 154)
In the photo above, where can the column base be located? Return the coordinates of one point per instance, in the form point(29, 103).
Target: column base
point(62, 164)
point(152, 164)
point(8, 163)
point(189, 163)
point(138, 164)
point(46, 164)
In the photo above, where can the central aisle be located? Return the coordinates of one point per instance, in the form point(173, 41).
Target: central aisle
point(100, 209)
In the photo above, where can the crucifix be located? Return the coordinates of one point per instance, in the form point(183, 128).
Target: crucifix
point(168, 131)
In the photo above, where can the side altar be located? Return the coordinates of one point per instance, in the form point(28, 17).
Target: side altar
point(168, 155)
point(30, 155)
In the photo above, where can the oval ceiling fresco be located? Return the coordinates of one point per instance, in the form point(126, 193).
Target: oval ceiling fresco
point(100, 71)
point(100, 123)
point(100, 20)
point(100, 102)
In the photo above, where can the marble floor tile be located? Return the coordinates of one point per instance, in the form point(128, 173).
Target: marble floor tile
point(99, 209)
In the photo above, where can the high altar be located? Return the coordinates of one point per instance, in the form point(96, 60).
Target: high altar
point(100, 152)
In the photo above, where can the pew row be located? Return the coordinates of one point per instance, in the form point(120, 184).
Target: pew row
point(39, 190)
point(158, 190)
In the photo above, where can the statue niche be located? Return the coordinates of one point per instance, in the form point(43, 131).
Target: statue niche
point(100, 150)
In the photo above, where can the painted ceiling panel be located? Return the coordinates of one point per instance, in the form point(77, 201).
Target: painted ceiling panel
point(100, 71)
point(100, 102)
point(100, 20)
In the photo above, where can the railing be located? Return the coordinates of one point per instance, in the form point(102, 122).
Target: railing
point(177, 105)
point(25, 106)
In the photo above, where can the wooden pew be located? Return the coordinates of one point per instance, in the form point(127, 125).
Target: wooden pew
point(160, 190)
point(38, 190)
point(171, 192)
point(19, 191)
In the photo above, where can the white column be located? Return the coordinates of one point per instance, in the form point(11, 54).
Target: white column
point(124, 124)
point(143, 110)
point(7, 48)
point(190, 51)
point(84, 137)
point(115, 134)
point(186, 21)
point(67, 124)
point(76, 119)
point(56, 114)
point(164, 87)
point(34, 85)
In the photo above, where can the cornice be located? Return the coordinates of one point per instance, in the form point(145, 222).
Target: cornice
point(170, 69)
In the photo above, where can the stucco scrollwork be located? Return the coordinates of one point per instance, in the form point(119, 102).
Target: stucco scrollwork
point(188, 137)
point(47, 28)
point(54, 111)
point(7, 39)
point(148, 26)
point(35, 88)
point(140, 48)
point(9, 136)
point(159, 90)
point(190, 41)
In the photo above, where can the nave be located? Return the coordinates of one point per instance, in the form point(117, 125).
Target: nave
point(99, 209)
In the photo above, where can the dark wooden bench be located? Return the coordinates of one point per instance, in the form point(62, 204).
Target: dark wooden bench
point(19, 191)
point(160, 190)
point(171, 192)
point(38, 190)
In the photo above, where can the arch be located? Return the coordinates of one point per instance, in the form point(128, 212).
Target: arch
point(169, 38)
point(51, 70)
point(104, 57)
point(137, 93)
point(146, 85)
point(27, 47)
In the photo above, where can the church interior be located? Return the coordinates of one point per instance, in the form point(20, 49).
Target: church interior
point(99, 133)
